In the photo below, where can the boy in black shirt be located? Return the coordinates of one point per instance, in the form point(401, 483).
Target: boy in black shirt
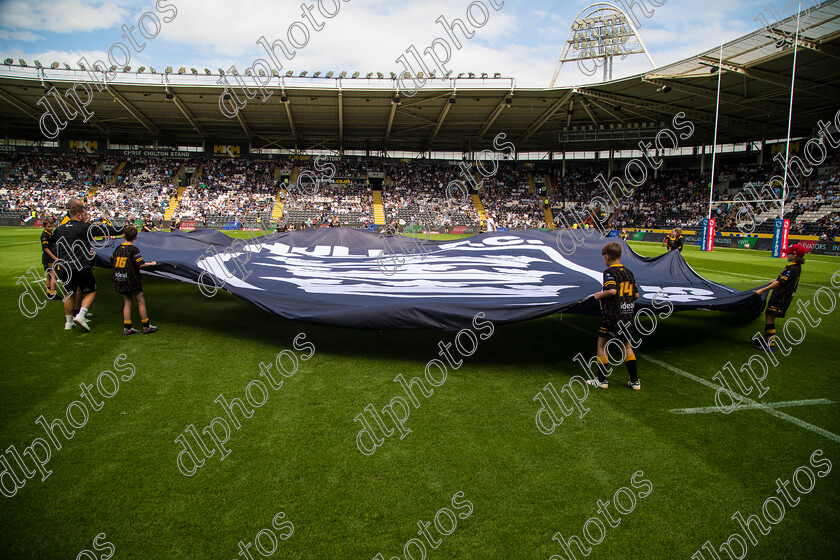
point(618, 302)
point(127, 263)
point(678, 241)
point(784, 288)
point(48, 257)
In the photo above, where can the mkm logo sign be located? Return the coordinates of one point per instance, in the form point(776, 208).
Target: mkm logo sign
point(226, 150)
point(88, 146)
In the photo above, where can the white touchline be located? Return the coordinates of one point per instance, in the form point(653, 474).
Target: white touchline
point(748, 276)
point(708, 409)
point(747, 400)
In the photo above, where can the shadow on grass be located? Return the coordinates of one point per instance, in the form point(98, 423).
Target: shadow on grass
point(538, 342)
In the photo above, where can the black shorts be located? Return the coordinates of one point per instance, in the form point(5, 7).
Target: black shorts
point(610, 330)
point(82, 280)
point(47, 265)
point(779, 307)
point(128, 288)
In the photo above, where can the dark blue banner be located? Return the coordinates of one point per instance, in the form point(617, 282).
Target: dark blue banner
point(353, 278)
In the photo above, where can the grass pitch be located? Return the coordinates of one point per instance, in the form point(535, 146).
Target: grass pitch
point(476, 434)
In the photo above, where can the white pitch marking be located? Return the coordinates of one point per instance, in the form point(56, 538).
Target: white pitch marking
point(793, 420)
point(708, 409)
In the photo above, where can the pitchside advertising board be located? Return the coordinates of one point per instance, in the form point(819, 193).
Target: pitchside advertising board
point(781, 229)
point(708, 239)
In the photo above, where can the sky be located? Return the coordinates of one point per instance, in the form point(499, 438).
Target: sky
point(519, 38)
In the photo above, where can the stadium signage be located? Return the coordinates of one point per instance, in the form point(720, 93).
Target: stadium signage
point(228, 150)
point(156, 153)
point(4, 148)
point(88, 146)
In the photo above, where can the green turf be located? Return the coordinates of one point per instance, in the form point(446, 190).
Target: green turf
point(475, 434)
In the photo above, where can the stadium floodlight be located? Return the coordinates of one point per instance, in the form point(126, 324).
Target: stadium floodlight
point(508, 102)
point(54, 65)
point(182, 70)
point(247, 71)
point(221, 72)
point(9, 61)
point(664, 89)
point(432, 73)
point(113, 68)
point(152, 70)
point(21, 62)
point(38, 63)
point(207, 71)
point(127, 69)
point(289, 73)
point(497, 75)
point(599, 33)
point(396, 99)
point(380, 75)
point(303, 74)
point(66, 66)
point(393, 76)
point(168, 69)
point(369, 74)
point(82, 66)
point(355, 75)
point(194, 71)
point(284, 98)
point(316, 74)
point(470, 75)
point(262, 72)
point(329, 74)
point(461, 75)
point(484, 75)
point(343, 74)
point(141, 69)
point(169, 96)
point(452, 101)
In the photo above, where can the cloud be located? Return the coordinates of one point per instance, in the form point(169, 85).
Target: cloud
point(523, 41)
point(62, 16)
point(26, 36)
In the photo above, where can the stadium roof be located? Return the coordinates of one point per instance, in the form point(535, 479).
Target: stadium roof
point(461, 114)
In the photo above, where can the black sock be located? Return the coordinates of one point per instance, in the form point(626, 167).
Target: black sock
point(145, 322)
point(76, 312)
point(631, 368)
point(126, 324)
